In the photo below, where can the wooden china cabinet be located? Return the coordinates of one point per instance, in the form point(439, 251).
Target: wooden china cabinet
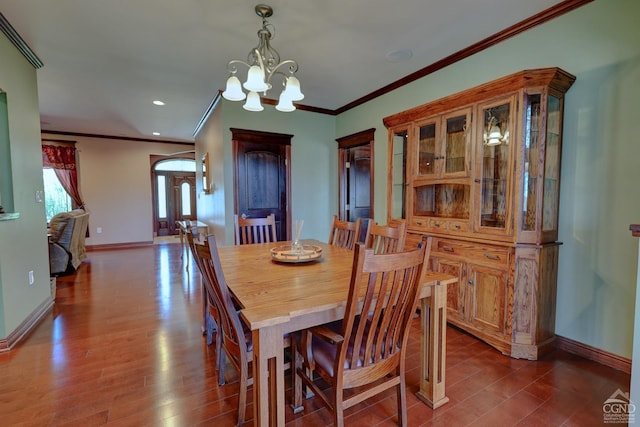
point(480, 171)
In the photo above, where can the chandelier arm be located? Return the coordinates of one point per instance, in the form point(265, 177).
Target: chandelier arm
point(232, 66)
point(293, 67)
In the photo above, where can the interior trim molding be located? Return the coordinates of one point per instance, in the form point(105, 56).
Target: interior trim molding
point(19, 43)
point(122, 138)
point(26, 326)
point(595, 354)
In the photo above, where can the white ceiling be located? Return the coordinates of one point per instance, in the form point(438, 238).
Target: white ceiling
point(105, 61)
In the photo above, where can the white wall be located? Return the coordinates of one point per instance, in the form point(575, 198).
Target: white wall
point(600, 44)
point(115, 182)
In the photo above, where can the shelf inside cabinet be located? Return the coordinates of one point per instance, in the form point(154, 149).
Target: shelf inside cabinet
point(442, 200)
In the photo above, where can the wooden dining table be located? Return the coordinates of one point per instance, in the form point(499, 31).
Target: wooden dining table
point(279, 298)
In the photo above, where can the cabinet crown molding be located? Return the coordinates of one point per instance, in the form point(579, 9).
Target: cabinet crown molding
point(554, 78)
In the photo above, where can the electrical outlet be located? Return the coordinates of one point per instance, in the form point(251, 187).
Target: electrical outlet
point(99, 230)
point(31, 278)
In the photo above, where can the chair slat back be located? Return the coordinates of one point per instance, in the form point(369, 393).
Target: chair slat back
point(344, 233)
point(213, 278)
point(385, 239)
point(382, 300)
point(255, 230)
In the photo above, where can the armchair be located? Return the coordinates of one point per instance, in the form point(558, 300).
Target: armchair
point(67, 241)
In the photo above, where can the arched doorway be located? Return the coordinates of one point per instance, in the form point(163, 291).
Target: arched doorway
point(174, 193)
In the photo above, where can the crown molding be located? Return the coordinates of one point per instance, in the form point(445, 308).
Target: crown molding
point(102, 136)
point(19, 43)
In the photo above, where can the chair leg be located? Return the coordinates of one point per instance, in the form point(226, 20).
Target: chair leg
point(242, 396)
point(218, 350)
point(221, 365)
point(211, 327)
point(402, 401)
point(296, 405)
point(338, 413)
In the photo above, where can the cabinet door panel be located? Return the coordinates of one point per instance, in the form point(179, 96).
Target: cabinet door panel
point(454, 152)
point(494, 164)
point(426, 149)
point(487, 299)
point(455, 292)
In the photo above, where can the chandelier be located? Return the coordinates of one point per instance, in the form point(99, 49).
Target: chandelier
point(263, 62)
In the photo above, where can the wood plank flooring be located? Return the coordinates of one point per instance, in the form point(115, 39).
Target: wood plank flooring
point(122, 347)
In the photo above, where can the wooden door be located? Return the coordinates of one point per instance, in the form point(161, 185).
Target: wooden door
point(262, 177)
point(175, 195)
point(358, 183)
point(355, 157)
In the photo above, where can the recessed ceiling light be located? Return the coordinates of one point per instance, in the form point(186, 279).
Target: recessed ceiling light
point(399, 55)
point(156, 133)
point(158, 102)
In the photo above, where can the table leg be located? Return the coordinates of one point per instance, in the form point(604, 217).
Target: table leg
point(433, 312)
point(268, 377)
point(182, 245)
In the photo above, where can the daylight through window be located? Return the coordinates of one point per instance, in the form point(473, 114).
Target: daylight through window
point(56, 199)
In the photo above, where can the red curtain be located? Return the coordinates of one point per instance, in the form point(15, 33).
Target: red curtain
point(63, 161)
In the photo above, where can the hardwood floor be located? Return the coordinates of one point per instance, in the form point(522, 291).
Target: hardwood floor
point(122, 346)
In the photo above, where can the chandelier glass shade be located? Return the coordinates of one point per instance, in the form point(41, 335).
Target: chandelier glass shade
point(263, 63)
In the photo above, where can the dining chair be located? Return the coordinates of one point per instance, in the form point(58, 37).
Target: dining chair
point(236, 342)
point(385, 239)
point(365, 354)
point(255, 230)
point(236, 338)
point(210, 312)
point(344, 233)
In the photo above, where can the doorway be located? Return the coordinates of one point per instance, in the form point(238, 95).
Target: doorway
point(174, 194)
point(262, 177)
point(355, 180)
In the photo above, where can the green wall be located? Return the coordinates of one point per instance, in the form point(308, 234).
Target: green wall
point(313, 163)
point(600, 44)
point(23, 241)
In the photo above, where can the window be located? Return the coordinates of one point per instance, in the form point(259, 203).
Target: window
point(186, 199)
point(56, 199)
point(162, 199)
point(178, 165)
point(6, 180)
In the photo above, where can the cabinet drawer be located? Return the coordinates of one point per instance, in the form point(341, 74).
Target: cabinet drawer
point(437, 224)
point(458, 226)
point(419, 221)
point(473, 251)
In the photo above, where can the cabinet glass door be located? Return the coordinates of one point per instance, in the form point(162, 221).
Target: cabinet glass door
point(551, 166)
point(398, 173)
point(426, 149)
point(531, 171)
point(494, 165)
point(455, 144)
